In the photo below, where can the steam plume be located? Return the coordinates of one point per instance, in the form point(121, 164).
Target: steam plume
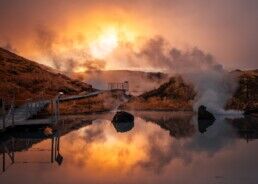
point(68, 61)
point(213, 84)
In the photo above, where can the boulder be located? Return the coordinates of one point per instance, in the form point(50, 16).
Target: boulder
point(123, 121)
point(203, 114)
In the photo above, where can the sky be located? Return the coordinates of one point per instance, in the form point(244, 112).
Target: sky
point(49, 31)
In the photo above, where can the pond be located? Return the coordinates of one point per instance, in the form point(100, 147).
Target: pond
point(159, 147)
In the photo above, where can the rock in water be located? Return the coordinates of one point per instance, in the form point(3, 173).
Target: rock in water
point(123, 117)
point(123, 121)
point(203, 114)
point(203, 124)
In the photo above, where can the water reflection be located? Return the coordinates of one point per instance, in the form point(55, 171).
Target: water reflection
point(204, 124)
point(123, 121)
point(162, 147)
point(20, 141)
point(247, 127)
point(178, 124)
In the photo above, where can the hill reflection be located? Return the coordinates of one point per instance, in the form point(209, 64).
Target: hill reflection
point(160, 142)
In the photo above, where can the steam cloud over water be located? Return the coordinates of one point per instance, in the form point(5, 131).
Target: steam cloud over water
point(213, 84)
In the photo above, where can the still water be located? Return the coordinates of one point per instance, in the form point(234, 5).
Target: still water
point(160, 147)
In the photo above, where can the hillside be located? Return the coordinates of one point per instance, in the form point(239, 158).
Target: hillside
point(247, 92)
point(172, 95)
point(175, 88)
point(177, 95)
point(27, 79)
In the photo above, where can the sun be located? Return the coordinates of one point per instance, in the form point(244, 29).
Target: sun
point(104, 44)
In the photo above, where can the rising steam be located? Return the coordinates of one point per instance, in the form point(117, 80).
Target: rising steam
point(68, 61)
point(213, 84)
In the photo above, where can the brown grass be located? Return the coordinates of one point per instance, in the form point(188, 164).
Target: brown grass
point(27, 79)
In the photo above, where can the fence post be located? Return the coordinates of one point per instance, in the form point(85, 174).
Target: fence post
point(52, 110)
point(56, 110)
point(12, 112)
point(3, 109)
point(27, 110)
point(3, 169)
point(52, 149)
point(13, 150)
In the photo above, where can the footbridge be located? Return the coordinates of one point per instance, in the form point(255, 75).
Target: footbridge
point(22, 115)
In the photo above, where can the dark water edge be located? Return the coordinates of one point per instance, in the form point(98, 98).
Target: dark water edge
point(160, 147)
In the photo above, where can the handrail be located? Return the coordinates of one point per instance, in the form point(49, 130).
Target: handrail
point(31, 108)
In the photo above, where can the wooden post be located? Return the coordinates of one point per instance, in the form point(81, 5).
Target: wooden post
point(58, 143)
point(4, 161)
point(55, 147)
point(12, 116)
point(13, 150)
point(37, 109)
point(52, 110)
point(52, 149)
point(12, 110)
point(56, 118)
point(58, 111)
point(3, 109)
point(27, 110)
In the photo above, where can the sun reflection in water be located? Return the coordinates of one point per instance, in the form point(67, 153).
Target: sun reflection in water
point(100, 147)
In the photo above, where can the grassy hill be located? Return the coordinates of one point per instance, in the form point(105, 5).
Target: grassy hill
point(247, 92)
point(177, 95)
point(28, 79)
point(172, 95)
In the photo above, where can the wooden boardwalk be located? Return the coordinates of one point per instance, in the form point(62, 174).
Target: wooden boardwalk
point(21, 115)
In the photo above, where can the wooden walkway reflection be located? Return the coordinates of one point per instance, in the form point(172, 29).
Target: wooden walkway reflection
point(21, 142)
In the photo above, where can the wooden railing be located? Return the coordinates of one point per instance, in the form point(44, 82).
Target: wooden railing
point(30, 107)
point(11, 113)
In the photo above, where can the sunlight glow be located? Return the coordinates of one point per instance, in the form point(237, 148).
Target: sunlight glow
point(104, 44)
